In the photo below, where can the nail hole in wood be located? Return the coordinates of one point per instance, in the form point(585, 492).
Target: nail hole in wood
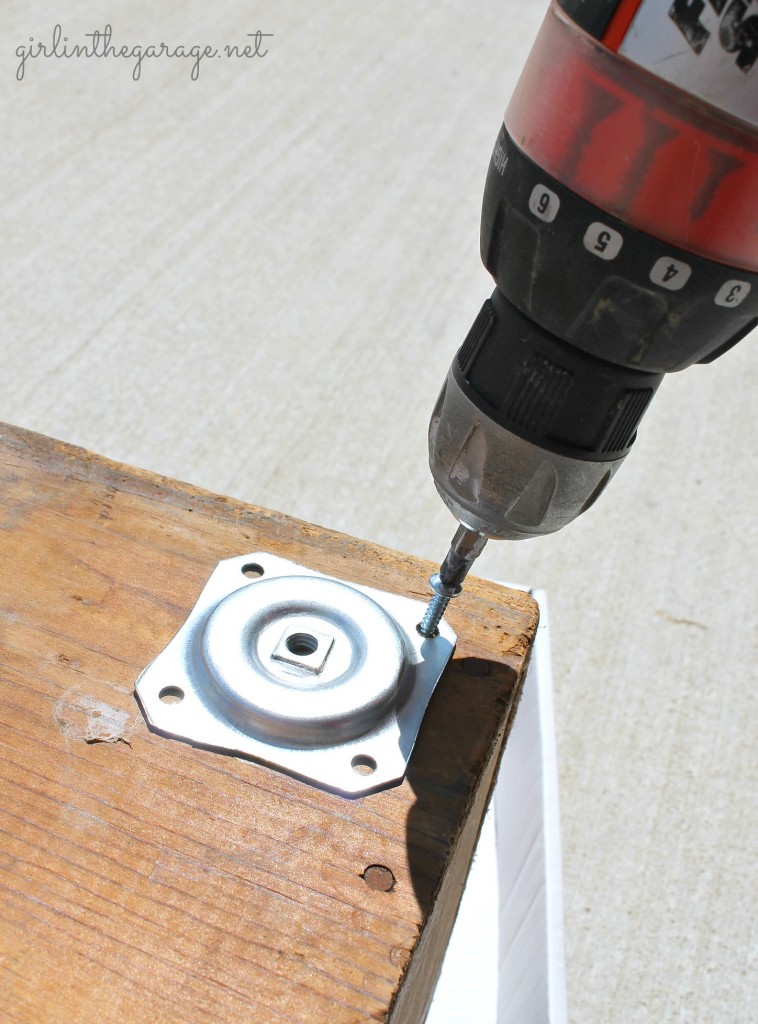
point(379, 877)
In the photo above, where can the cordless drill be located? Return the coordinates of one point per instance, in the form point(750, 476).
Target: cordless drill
point(620, 224)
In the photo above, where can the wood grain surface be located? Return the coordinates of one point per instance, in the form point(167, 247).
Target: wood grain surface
point(147, 880)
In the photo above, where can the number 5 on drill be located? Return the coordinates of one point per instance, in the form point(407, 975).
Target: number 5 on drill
point(602, 241)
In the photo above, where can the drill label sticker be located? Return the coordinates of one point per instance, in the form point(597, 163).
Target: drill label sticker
point(544, 203)
point(602, 241)
point(732, 293)
point(707, 47)
point(499, 158)
point(670, 273)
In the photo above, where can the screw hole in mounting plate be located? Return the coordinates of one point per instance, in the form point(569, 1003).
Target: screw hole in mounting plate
point(362, 764)
point(171, 695)
point(252, 570)
point(301, 644)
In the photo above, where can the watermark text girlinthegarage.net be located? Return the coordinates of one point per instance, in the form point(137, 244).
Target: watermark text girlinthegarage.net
point(100, 45)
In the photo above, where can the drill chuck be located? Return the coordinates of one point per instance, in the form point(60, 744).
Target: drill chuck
point(528, 431)
point(498, 484)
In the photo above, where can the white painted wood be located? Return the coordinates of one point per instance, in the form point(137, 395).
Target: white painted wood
point(505, 961)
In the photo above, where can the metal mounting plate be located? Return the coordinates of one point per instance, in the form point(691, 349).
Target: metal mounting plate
point(324, 679)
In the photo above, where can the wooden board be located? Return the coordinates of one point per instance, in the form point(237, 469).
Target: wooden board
point(145, 880)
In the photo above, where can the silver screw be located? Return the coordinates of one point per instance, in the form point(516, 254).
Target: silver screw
point(443, 594)
point(433, 616)
point(447, 583)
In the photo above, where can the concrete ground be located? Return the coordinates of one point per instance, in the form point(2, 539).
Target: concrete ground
point(255, 281)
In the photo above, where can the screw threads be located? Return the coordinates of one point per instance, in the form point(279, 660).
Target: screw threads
point(433, 616)
point(447, 583)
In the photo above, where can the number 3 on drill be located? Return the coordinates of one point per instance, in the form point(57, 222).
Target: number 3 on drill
point(731, 293)
point(544, 203)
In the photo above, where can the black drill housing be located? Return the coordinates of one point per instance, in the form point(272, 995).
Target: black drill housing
point(572, 346)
